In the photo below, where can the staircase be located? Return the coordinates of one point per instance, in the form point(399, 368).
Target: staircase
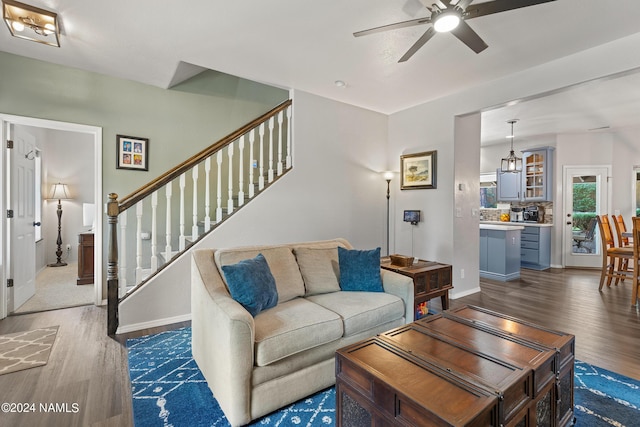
point(152, 227)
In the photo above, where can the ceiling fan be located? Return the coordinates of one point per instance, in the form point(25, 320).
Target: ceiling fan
point(450, 16)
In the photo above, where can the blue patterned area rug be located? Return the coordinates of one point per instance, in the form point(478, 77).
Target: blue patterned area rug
point(169, 390)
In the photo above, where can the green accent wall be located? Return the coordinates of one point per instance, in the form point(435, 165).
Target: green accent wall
point(179, 122)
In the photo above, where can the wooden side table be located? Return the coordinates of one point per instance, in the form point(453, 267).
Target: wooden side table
point(430, 279)
point(85, 259)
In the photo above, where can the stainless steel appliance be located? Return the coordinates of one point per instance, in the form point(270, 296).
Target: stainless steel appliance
point(516, 215)
point(533, 214)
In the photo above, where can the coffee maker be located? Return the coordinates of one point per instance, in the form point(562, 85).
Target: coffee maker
point(533, 214)
point(516, 215)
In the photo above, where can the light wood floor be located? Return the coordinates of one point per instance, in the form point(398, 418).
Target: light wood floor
point(90, 369)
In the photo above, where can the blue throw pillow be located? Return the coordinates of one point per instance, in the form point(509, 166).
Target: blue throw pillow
point(360, 270)
point(251, 284)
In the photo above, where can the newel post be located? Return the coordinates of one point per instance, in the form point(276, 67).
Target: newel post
point(113, 211)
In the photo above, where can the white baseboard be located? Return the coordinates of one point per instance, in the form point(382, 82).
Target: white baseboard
point(153, 323)
point(456, 295)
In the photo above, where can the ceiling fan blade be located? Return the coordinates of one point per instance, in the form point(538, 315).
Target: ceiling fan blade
point(497, 6)
point(418, 44)
point(469, 37)
point(463, 4)
point(395, 26)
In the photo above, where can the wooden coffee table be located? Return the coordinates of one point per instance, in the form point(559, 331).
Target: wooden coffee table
point(468, 366)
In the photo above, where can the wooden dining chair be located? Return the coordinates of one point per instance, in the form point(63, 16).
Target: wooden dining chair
point(612, 255)
point(618, 222)
point(636, 259)
point(623, 241)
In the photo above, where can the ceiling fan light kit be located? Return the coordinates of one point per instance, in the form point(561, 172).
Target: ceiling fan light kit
point(451, 16)
point(446, 21)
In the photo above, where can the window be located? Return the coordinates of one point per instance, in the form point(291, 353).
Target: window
point(488, 191)
point(488, 197)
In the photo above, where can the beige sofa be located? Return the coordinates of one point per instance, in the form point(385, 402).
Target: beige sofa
point(257, 365)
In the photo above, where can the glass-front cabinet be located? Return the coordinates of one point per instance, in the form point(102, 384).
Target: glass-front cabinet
point(537, 174)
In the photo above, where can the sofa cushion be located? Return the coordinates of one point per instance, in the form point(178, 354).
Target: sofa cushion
point(251, 284)
point(282, 264)
point(361, 310)
point(292, 327)
point(360, 270)
point(319, 268)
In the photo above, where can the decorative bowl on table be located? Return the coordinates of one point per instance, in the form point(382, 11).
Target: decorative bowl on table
point(401, 260)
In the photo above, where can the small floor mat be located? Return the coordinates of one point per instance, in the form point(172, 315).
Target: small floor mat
point(25, 350)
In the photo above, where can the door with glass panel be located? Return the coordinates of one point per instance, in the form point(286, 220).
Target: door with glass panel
point(585, 196)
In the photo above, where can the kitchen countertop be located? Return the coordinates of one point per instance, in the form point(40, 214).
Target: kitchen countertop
point(504, 226)
point(528, 224)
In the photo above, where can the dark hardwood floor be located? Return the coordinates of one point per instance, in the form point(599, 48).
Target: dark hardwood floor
point(88, 368)
point(606, 326)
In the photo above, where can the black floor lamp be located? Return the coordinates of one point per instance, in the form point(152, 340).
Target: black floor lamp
point(59, 191)
point(388, 176)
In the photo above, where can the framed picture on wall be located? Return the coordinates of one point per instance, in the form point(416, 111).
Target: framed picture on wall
point(132, 153)
point(418, 171)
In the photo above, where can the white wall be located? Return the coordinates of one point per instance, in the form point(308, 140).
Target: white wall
point(431, 126)
point(625, 156)
point(334, 190)
point(620, 150)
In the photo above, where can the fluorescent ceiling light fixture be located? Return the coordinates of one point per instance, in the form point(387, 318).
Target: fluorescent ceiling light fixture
point(31, 23)
point(446, 21)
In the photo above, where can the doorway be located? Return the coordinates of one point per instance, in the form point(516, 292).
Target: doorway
point(56, 135)
point(585, 196)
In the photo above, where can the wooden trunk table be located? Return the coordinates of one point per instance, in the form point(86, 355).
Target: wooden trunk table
point(430, 280)
point(452, 370)
point(561, 343)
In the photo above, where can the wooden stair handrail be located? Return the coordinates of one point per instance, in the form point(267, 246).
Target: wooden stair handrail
point(142, 192)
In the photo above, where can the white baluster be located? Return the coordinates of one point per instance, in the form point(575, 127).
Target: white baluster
point(241, 172)
point(194, 227)
point(219, 189)
point(280, 117)
point(271, 123)
point(289, 112)
point(139, 242)
point(167, 247)
point(122, 249)
point(207, 201)
point(154, 224)
point(261, 159)
point(181, 238)
point(230, 194)
point(252, 187)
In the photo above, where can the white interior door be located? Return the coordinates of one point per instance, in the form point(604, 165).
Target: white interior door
point(22, 201)
point(585, 195)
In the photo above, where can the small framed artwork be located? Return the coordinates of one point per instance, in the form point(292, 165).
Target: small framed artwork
point(418, 171)
point(132, 153)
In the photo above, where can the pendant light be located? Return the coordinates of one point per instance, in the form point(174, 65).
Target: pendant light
point(511, 163)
